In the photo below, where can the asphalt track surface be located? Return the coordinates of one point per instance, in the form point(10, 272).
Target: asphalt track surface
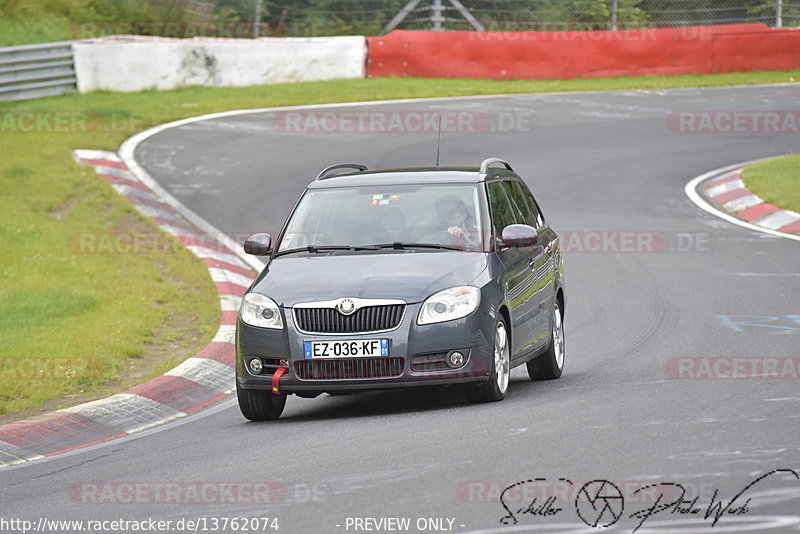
point(599, 162)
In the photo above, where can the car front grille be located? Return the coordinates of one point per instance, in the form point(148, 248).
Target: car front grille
point(364, 320)
point(349, 368)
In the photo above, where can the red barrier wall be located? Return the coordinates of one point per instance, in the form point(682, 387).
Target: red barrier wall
point(543, 55)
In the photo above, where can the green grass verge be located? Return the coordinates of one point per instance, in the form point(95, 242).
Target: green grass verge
point(42, 21)
point(77, 325)
point(777, 181)
point(81, 323)
point(47, 29)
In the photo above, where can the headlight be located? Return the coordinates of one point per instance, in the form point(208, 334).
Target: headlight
point(453, 303)
point(260, 310)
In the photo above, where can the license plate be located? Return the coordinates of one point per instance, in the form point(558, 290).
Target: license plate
point(353, 348)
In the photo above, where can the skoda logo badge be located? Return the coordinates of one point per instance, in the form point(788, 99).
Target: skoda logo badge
point(346, 306)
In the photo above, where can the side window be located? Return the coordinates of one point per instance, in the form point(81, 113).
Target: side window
point(536, 212)
point(502, 215)
point(514, 200)
point(516, 194)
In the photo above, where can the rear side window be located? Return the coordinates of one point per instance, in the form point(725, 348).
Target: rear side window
point(524, 214)
point(535, 214)
point(502, 215)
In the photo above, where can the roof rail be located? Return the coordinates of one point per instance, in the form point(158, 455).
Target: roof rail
point(328, 172)
point(491, 161)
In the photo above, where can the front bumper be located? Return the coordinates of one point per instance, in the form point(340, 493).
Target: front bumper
point(470, 335)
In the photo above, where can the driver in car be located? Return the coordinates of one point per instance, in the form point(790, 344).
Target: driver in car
point(452, 214)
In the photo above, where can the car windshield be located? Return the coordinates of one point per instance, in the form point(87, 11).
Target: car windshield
point(446, 215)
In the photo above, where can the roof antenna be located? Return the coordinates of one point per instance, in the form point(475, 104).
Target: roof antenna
point(438, 140)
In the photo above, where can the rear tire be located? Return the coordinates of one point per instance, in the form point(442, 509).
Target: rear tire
point(496, 388)
point(258, 405)
point(550, 365)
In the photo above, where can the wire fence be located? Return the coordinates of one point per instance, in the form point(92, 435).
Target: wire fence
point(279, 18)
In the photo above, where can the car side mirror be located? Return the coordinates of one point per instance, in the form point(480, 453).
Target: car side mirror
point(519, 236)
point(258, 244)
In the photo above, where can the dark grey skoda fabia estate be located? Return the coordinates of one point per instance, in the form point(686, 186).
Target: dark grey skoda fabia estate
point(402, 277)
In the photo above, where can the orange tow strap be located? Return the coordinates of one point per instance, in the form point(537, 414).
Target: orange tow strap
point(276, 388)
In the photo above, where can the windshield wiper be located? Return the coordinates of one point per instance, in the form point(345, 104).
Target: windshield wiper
point(325, 248)
point(398, 245)
point(401, 245)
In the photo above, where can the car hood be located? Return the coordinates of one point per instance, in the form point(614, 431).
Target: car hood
point(410, 276)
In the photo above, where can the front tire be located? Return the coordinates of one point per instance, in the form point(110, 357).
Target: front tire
point(497, 387)
point(550, 365)
point(258, 405)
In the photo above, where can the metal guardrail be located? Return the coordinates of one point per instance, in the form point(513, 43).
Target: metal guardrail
point(32, 71)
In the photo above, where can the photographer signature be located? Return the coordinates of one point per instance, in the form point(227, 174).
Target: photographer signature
point(600, 503)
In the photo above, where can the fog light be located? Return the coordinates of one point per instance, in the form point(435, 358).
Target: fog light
point(255, 366)
point(455, 359)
